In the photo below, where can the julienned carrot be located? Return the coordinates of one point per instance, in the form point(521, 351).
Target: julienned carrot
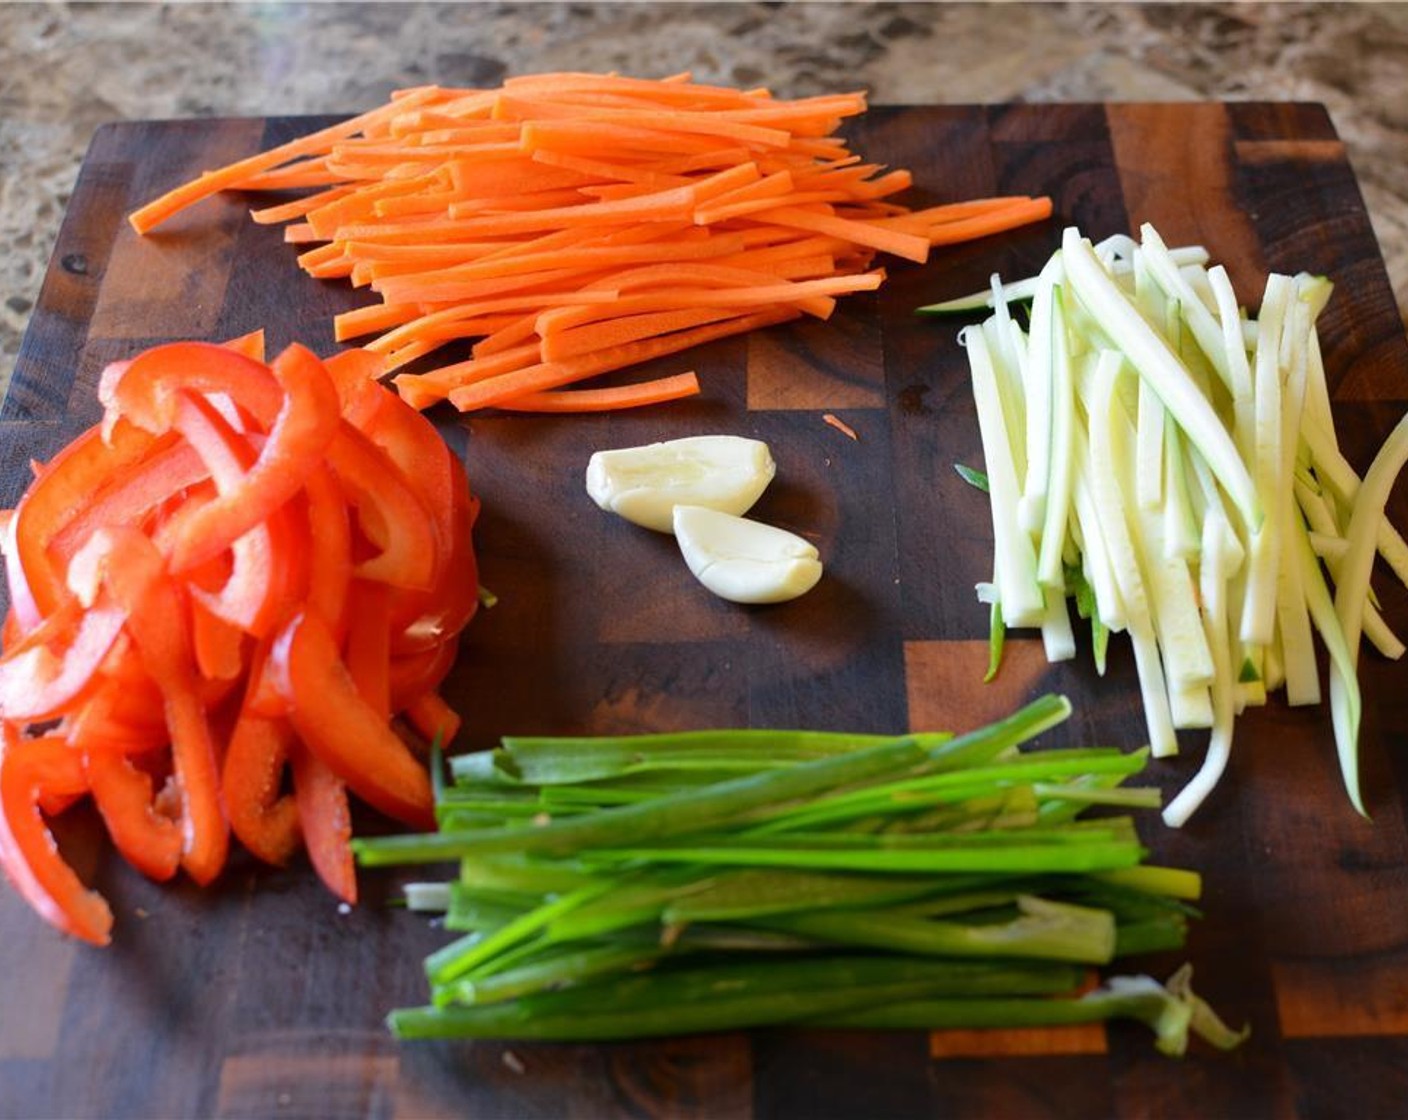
point(672, 388)
point(400, 289)
point(572, 223)
point(908, 246)
point(289, 211)
point(587, 256)
point(424, 389)
point(308, 174)
point(300, 233)
point(375, 317)
point(802, 295)
point(983, 225)
point(573, 342)
point(554, 375)
point(589, 171)
point(210, 183)
point(429, 323)
point(523, 332)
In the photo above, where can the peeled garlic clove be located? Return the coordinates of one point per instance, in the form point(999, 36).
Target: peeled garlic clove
point(745, 561)
point(645, 484)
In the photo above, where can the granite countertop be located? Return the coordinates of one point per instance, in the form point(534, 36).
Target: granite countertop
point(65, 69)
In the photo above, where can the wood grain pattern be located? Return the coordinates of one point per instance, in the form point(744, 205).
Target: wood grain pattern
point(259, 998)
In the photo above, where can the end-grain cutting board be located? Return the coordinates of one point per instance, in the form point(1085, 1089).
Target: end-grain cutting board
point(258, 998)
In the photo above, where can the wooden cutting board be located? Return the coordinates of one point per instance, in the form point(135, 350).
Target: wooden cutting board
point(259, 998)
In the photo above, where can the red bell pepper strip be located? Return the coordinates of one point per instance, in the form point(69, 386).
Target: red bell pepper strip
point(24, 613)
point(62, 489)
point(133, 573)
point(330, 551)
point(326, 821)
point(262, 696)
point(51, 630)
point(39, 682)
point(28, 853)
point(58, 773)
point(436, 721)
point(390, 513)
point(425, 461)
point(165, 473)
point(118, 716)
point(253, 597)
point(368, 646)
point(418, 673)
point(264, 819)
point(146, 390)
point(149, 840)
point(342, 729)
point(421, 620)
point(219, 646)
point(355, 374)
point(306, 423)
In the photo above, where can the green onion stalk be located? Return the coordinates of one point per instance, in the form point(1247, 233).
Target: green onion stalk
point(636, 886)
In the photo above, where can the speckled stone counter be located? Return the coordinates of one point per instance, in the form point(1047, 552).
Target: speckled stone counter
point(67, 68)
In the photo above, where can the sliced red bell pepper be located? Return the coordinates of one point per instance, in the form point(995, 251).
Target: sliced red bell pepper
point(220, 646)
point(330, 549)
point(425, 460)
point(148, 839)
point(368, 645)
point(134, 575)
point(418, 673)
point(297, 533)
point(145, 391)
point(306, 423)
point(58, 772)
point(326, 821)
point(118, 716)
point(436, 721)
point(424, 619)
point(24, 613)
point(266, 566)
point(39, 682)
point(342, 729)
point(64, 487)
point(166, 472)
point(263, 817)
point(390, 513)
point(355, 374)
point(28, 852)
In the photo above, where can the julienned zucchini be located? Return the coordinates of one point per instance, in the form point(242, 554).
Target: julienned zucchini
point(1172, 464)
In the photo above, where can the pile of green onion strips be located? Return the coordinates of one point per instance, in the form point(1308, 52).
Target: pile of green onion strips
point(678, 883)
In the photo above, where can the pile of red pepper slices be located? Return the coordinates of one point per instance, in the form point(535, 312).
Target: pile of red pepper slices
point(220, 597)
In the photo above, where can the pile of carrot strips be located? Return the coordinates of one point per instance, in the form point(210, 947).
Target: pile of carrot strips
point(571, 225)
